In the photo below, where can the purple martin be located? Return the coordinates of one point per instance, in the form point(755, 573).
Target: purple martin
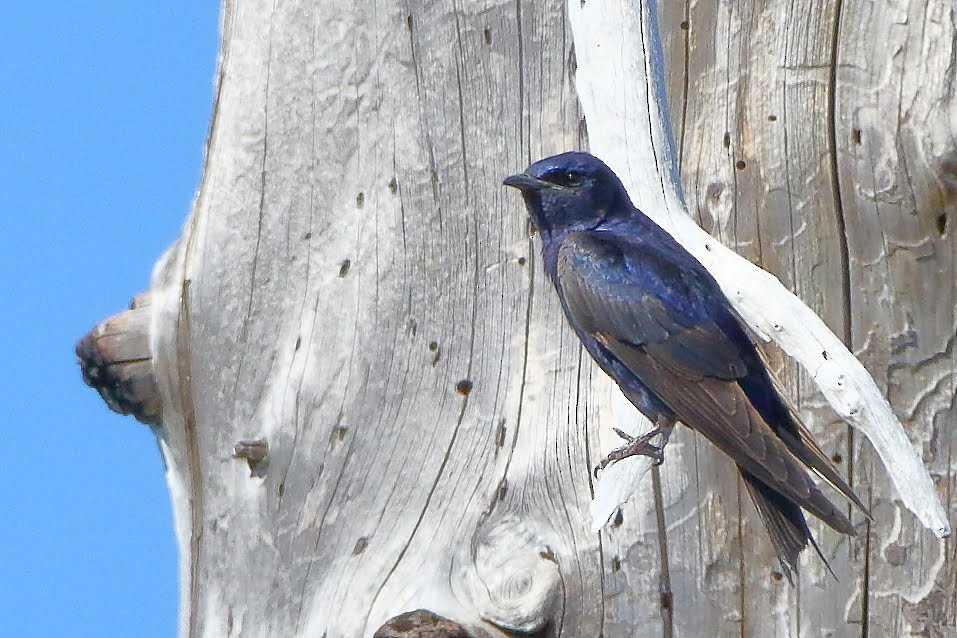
point(656, 321)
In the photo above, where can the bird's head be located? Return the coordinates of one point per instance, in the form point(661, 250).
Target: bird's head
point(570, 192)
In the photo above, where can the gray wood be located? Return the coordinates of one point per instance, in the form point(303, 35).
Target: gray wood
point(363, 295)
point(848, 220)
point(894, 130)
point(753, 172)
point(371, 402)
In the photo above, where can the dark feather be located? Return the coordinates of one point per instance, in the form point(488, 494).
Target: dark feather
point(661, 323)
point(785, 524)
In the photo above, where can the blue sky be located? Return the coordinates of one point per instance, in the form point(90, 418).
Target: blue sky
point(104, 108)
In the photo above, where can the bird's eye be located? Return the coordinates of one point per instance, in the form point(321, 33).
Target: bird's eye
point(573, 179)
point(564, 178)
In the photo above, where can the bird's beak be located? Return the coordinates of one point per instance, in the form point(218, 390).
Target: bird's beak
point(524, 182)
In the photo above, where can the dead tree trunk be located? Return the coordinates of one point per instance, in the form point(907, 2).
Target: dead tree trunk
point(818, 140)
point(370, 403)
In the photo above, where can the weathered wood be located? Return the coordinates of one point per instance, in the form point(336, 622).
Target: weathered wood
point(752, 170)
point(371, 403)
point(840, 112)
point(115, 361)
point(894, 125)
point(365, 298)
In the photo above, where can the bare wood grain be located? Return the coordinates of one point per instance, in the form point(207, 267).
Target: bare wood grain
point(894, 136)
point(356, 298)
point(356, 293)
point(766, 189)
point(765, 84)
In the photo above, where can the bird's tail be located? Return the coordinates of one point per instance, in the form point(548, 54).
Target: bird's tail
point(785, 523)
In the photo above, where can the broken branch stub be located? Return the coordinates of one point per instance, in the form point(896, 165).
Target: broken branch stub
point(115, 360)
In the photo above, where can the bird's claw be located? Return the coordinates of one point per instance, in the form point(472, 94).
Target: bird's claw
point(634, 446)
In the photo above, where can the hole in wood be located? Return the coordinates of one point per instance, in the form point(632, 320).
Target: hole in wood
point(256, 455)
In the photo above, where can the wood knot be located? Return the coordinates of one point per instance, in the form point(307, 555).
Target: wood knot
point(115, 361)
point(420, 624)
point(516, 581)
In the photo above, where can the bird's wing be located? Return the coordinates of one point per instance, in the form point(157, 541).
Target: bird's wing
point(800, 441)
point(656, 318)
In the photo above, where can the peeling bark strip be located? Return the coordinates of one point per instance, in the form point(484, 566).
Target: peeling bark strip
point(354, 288)
point(115, 361)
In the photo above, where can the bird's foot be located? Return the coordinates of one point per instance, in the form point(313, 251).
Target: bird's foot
point(635, 446)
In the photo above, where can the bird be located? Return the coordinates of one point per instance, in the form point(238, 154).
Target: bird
point(655, 320)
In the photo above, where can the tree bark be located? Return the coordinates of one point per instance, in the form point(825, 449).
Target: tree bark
point(371, 403)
